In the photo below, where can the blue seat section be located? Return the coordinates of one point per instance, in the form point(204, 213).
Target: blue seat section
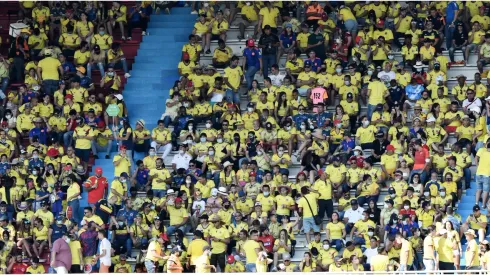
point(152, 75)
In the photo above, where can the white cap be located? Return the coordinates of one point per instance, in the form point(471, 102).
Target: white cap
point(119, 96)
point(170, 191)
point(488, 98)
point(431, 119)
point(442, 231)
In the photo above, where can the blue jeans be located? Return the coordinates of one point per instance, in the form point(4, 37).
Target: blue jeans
point(249, 76)
point(90, 67)
point(232, 96)
point(123, 63)
point(159, 193)
point(50, 86)
point(215, 177)
point(467, 177)
point(267, 61)
point(166, 121)
point(370, 111)
point(5, 84)
point(448, 33)
point(338, 244)
point(171, 229)
point(75, 206)
point(482, 183)
point(351, 25)
point(422, 173)
point(150, 266)
point(68, 138)
point(250, 268)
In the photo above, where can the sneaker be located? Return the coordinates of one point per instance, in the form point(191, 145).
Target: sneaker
point(130, 259)
point(123, 38)
point(143, 33)
point(167, 10)
point(96, 157)
point(208, 51)
point(194, 12)
point(127, 75)
point(129, 38)
point(107, 156)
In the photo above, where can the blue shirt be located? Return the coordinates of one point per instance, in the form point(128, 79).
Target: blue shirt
point(68, 67)
point(407, 228)
point(142, 176)
point(3, 167)
point(58, 231)
point(287, 40)
point(348, 144)
point(451, 9)
point(414, 93)
point(41, 133)
point(136, 15)
point(28, 96)
point(252, 55)
point(298, 118)
point(35, 163)
point(321, 119)
point(130, 215)
point(182, 121)
point(315, 63)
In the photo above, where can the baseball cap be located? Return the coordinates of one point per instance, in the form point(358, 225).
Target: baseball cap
point(476, 208)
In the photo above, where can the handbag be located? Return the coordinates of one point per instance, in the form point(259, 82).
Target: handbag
point(317, 218)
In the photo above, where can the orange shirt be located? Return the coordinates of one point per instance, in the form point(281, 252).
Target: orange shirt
point(173, 261)
point(317, 9)
point(420, 158)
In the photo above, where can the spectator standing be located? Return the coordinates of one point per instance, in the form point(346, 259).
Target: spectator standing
point(61, 255)
point(269, 44)
point(104, 252)
point(50, 71)
point(252, 62)
point(138, 18)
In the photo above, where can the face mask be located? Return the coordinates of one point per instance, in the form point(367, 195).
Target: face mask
point(426, 194)
point(338, 70)
point(203, 139)
point(356, 153)
point(211, 153)
point(266, 194)
point(219, 140)
point(339, 125)
point(393, 226)
point(101, 32)
point(35, 156)
point(347, 82)
point(111, 74)
point(419, 70)
point(429, 207)
point(442, 194)
point(280, 153)
point(288, 128)
point(386, 205)
point(59, 222)
point(405, 222)
point(186, 105)
point(181, 152)
point(259, 153)
point(370, 72)
point(122, 180)
point(206, 5)
point(302, 126)
point(152, 154)
point(34, 172)
point(390, 56)
point(406, 207)
point(326, 246)
point(250, 110)
point(208, 125)
point(365, 123)
point(8, 116)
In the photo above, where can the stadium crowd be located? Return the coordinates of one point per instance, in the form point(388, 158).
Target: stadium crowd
point(313, 131)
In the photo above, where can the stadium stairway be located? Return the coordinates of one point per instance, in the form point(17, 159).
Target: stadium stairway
point(147, 90)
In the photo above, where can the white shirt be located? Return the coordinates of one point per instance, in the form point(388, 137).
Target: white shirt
point(476, 103)
point(354, 215)
point(369, 253)
point(386, 77)
point(277, 80)
point(105, 245)
point(181, 161)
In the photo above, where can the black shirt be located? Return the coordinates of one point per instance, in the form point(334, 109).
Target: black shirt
point(319, 50)
point(460, 37)
point(266, 41)
point(380, 147)
point(396, 93)
point(437, 21)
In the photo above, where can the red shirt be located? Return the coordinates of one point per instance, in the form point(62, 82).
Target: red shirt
point(420, 157)
point(73, 126)
point(100, 184)
point(409, 212)
point(19, 268)
point(268, 242)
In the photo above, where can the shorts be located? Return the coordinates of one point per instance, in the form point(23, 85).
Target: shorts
point(302, 91)
point(309, 223)
point(350, 25)
point(483, 183)
point(215, 37)
point(410, 103)
point(429, 264)
point(464, 142)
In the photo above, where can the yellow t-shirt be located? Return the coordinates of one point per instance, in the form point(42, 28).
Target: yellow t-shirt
point(85, 131)
point(82, 58)
point(483, 167)
point(269, 16)
point(123, 165)
point(312, 200)
point(49, 67)
point(159, 175)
